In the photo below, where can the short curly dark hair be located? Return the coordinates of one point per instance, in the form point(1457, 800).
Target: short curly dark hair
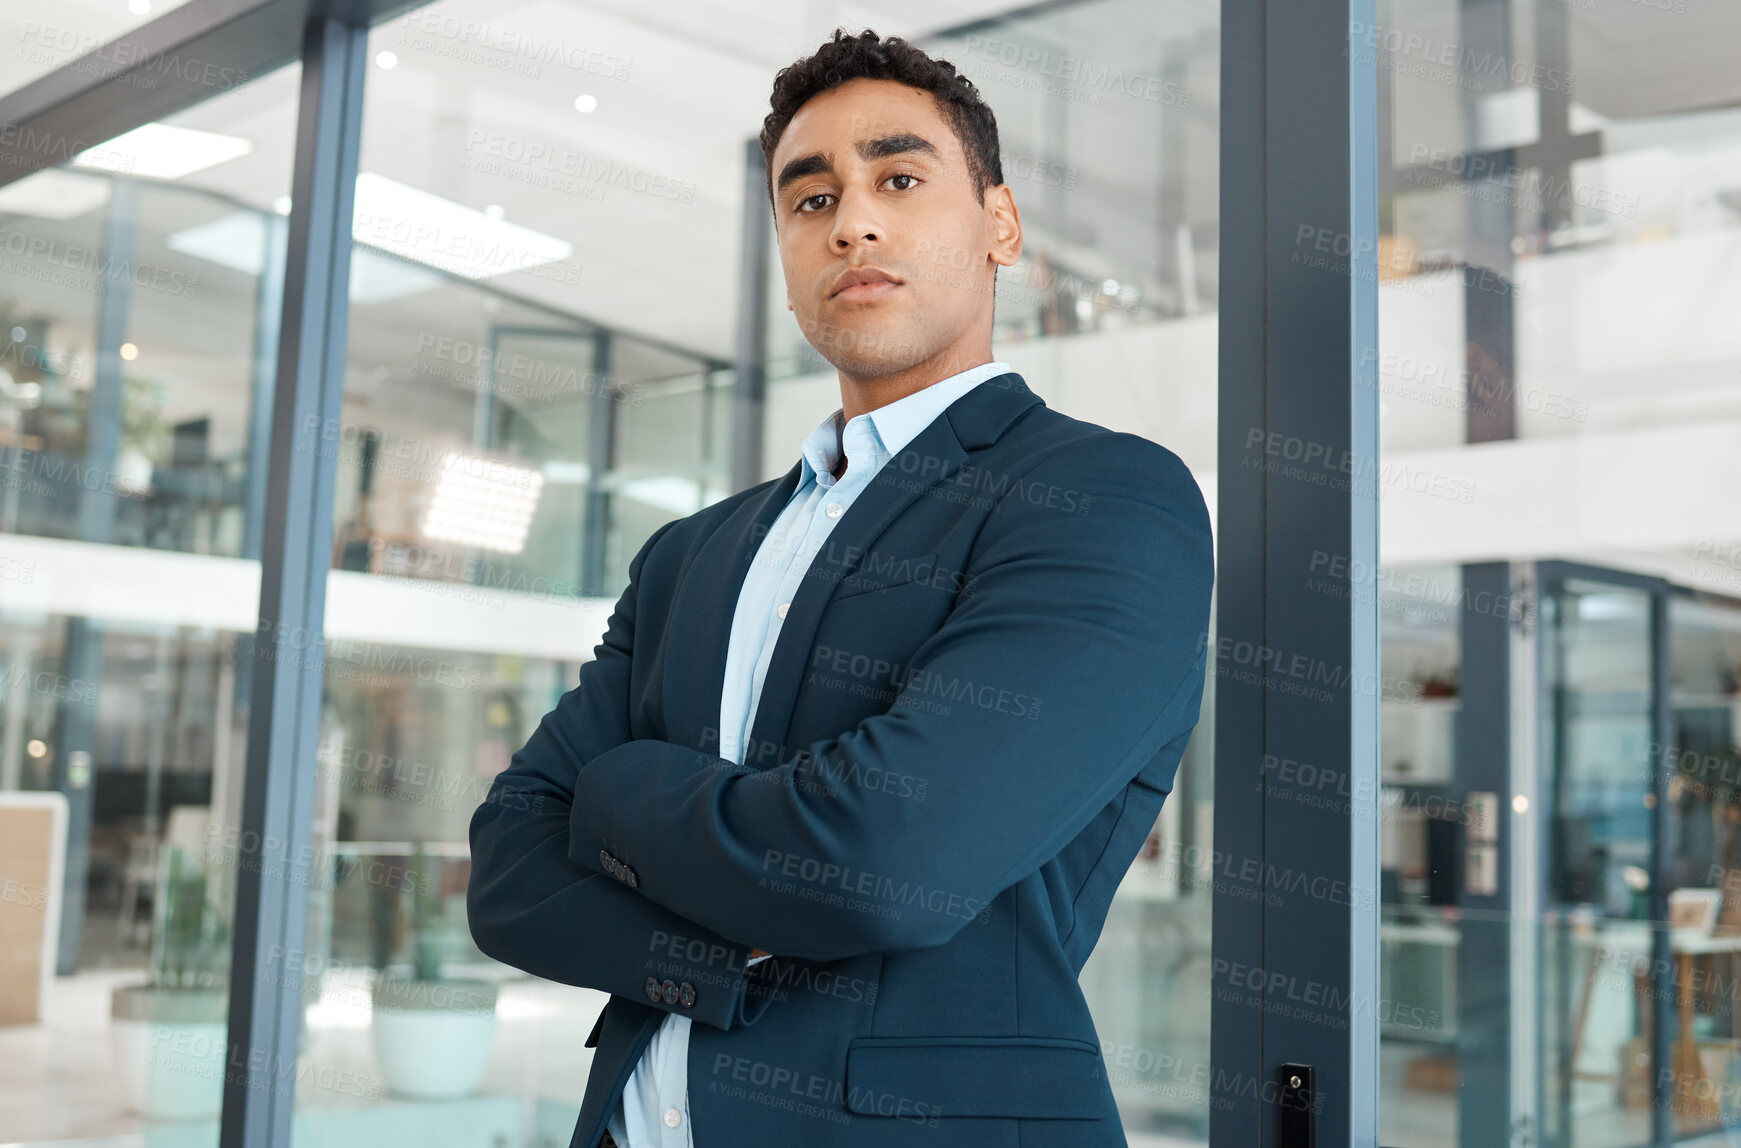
point(846, 57)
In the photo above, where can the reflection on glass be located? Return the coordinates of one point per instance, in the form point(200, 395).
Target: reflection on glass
point(1597, 671)
point(138, 318)
point(1558, 382)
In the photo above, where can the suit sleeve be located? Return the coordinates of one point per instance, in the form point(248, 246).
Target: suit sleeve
point(531, 907)
point(1098, 619)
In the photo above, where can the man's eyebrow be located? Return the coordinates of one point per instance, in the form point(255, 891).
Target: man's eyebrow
point(903, 143)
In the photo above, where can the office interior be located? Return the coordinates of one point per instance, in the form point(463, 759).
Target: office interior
point(1559, 594)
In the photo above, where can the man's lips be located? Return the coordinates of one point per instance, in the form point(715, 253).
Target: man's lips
point(870, 290)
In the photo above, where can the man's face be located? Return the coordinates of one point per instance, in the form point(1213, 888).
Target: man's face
point(870, 175)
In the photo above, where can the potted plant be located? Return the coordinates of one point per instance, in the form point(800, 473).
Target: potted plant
point(142, 431)
point(433, 1034)
point(167, 1035)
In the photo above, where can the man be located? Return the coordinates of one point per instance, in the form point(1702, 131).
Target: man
point(900, 718)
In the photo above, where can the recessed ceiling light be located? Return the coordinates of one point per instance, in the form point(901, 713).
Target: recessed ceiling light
point(281, 205)
point(493, 211)
point(163, 152)
point(586, 103)
point(129, 351)
point(387, 61)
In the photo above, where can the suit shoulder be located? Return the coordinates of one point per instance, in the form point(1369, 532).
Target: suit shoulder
point(1062, 443)
point(694, 527)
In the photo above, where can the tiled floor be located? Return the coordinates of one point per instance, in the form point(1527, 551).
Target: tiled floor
point(59, 1084)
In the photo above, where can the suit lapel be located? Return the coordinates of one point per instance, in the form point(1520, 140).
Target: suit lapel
point(973, 421)
point(701, 616)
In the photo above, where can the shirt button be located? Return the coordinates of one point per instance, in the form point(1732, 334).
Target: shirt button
point(835, 510)
point(673, 1118)
point(784, 606)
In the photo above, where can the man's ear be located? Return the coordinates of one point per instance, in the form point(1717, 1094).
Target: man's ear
point(788, 302)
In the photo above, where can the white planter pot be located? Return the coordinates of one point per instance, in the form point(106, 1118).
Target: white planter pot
point(168, 1048)
point(433, 1038)
point(133, 469)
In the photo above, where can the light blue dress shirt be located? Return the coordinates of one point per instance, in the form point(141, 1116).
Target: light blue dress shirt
point(654, 1110)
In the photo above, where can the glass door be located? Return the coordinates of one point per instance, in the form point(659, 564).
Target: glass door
point(1608, 1003)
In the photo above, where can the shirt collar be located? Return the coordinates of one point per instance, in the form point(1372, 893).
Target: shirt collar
point(887, 430)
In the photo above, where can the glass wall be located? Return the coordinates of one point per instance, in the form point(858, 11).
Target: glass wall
point(1559, 383)
point(589, 386)
point(542, 307)
point(138, 313)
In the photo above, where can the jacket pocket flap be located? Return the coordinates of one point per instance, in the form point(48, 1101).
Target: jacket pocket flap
point(918, 1077)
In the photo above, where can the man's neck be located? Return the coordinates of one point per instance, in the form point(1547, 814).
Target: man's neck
point(861, 395)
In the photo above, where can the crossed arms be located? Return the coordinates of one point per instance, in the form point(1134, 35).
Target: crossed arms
point(1102, 617)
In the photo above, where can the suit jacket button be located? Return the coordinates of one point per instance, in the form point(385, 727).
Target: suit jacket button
point(629, 876)
point(669, 991)
point(686, 995)
point(604, 860)
point(654, 990)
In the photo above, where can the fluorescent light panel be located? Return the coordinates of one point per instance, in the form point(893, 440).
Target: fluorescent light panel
point(238, 241)
point(54, 194)
point(412, 223)
point(484, 503)
point(159, 151)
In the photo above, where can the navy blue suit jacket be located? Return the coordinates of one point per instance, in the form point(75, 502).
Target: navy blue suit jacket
point(975, 709)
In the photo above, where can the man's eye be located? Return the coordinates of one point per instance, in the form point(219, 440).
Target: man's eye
point(810, 199)
point(903, 175)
